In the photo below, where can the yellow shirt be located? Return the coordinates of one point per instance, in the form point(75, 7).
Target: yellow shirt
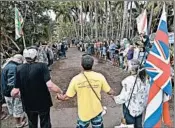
point(88, 104)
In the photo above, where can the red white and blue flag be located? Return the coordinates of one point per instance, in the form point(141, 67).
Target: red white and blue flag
point(142, 23)
point(158, 69)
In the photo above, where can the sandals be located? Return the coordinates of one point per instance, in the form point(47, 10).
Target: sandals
point(4, 115)
point(23, 124)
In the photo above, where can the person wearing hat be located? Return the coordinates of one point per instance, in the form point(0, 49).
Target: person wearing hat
point(89, 100)
point(8, 78)
point(33, 84)
point(134, 104)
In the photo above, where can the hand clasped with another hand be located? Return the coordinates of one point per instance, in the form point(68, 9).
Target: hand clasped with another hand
point(60, 97)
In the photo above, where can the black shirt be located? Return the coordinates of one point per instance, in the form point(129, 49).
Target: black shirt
point(31, 80)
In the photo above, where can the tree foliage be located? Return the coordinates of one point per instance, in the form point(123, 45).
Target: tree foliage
point(109, 21)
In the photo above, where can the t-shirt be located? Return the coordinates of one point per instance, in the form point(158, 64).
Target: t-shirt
point(136, 53)
point(104, 50)
point(31, 80)
point(139, 97)
point(112, 47)
point(88, 104)
point(130, 54)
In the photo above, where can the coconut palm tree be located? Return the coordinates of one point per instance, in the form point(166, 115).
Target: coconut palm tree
point(124, 19)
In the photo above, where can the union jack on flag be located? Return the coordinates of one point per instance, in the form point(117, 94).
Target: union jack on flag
point(158, 69)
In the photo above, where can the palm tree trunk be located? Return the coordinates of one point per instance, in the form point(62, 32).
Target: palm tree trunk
point(150, 19)
point(106, 10)
point(91, 20)
point(127, 25)
point(130, 20)
point(96, 20)
point(132, 33)
point(120, 29)
point(75, 27)
point(81, 19)
point(34, 26)
point(103, 29)
point(111, 20)
point(124, 19)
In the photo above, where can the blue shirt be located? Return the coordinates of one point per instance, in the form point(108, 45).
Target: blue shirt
point(112, 47)
point(104, 50)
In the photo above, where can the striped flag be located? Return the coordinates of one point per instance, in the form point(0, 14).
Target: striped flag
point(142, 23)
point(18, 24)
point(158, 68)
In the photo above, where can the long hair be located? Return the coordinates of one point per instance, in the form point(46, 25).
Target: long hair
point(142, 75)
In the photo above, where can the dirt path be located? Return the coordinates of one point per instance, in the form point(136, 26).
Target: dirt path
point(64, 114)
point(66, 69)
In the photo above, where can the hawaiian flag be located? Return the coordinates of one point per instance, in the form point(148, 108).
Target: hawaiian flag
point(142, 23)
point(18, 24)
point(158, 69)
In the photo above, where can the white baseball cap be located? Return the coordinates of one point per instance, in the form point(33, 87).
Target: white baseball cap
point(30, 53)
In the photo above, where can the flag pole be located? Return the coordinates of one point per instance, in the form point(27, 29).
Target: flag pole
point(24, 41)
point(22, 27)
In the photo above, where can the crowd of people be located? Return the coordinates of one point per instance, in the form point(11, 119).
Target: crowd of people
point(120, 53)
point(26, 83)
point(44, 53)
point(47, 52)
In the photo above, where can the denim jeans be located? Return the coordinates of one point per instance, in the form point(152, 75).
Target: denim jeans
point(137, 121)
point(44, 118)
point(121, 61)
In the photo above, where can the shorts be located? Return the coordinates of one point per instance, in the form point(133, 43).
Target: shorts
point(14, 106)
point(116, 57)
point(129, 65)
point(97, 122)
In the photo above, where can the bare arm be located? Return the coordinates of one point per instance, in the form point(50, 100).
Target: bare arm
point(52, 87)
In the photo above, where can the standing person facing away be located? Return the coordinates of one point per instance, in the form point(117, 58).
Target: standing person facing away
point(112, 48)
point(137, 102)
point(8, 78)
point(33, 84)
point(89, 106)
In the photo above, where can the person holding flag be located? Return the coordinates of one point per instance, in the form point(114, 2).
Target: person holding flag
point(158, 69)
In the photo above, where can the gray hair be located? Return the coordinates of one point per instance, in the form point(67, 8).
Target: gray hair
point(87, 62)
point(134, 66)
point(18, 58)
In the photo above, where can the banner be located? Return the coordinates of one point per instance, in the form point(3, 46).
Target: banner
point(142, 23)
point(18, 24)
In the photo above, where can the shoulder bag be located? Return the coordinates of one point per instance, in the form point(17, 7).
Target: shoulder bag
point(104, 107)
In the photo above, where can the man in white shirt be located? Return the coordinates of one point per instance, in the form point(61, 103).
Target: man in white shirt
point(137, 102)
point(136, 52)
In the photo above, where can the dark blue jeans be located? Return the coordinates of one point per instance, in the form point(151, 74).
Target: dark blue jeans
point(63, 53)
point(137, 121)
